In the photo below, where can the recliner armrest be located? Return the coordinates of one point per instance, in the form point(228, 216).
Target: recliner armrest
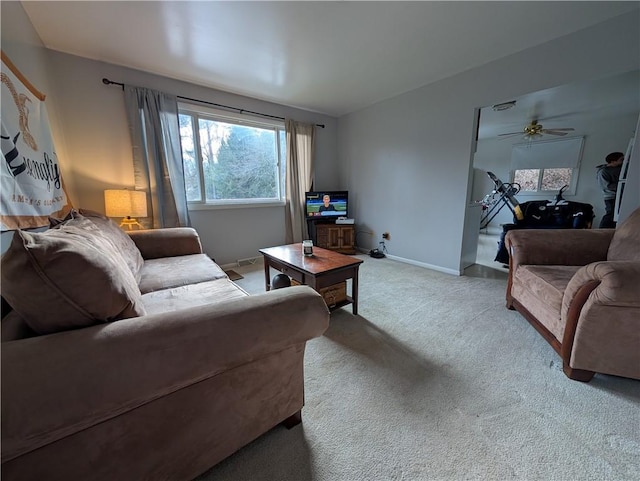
point(601, 313)
point(617, 286)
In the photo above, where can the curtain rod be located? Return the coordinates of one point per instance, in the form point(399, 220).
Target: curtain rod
point(106, 81)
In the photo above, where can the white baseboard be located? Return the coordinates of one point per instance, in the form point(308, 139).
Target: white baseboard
point(243, 262)
point(426, 266)
point(418, 263)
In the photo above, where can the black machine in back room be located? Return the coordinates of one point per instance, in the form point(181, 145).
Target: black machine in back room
point(536, 214)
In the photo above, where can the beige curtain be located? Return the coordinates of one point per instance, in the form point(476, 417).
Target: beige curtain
point(300, 159)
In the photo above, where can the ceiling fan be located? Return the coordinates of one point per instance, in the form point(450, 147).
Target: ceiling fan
point(534, 129)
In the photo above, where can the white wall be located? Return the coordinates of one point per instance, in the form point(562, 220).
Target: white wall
point(631, 198)
point(91, 124)
point(99, 147)
point(407, 159)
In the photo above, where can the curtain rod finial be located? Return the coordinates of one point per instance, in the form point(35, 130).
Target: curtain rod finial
point(106, 81)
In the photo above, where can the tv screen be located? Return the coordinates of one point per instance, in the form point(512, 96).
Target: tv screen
point(326, 204)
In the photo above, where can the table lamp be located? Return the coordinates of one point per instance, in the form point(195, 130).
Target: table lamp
point(127, 204)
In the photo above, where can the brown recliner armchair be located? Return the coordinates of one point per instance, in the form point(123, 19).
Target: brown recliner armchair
point(580, 289)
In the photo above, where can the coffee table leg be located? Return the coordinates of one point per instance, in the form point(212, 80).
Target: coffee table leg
point(267, 281)
point(354, 294)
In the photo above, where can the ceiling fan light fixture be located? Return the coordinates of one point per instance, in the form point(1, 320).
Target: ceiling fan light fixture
point(536, 130)
point(504, 106)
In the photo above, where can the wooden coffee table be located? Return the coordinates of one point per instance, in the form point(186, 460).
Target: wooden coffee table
point(323, 269)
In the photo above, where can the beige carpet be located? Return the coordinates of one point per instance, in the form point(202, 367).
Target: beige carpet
point(436, 380)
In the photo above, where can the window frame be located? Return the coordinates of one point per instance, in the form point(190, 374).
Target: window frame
point(197, 112)
point(569, 191)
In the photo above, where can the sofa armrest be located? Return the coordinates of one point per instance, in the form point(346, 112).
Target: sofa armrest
point(601, 314)
point(613, 283)
point(568, 247)
point(56, 385)
point(169, 242)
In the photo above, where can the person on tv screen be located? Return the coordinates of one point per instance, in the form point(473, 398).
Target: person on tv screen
point(326, 205)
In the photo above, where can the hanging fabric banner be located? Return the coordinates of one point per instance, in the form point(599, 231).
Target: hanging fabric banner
point(31, 183)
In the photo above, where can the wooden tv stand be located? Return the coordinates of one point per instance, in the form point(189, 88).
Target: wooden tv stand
point(336, 237)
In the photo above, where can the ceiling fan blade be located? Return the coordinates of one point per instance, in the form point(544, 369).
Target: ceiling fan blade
point(511, 133)
point(568, 129)
point(553, 132)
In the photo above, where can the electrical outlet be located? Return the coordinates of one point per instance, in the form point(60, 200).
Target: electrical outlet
point(386, 235)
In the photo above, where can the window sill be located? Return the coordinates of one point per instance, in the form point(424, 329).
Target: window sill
point(234, 205)
point(543, 193)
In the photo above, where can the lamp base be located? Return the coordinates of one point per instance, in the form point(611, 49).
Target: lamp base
point(129, 222)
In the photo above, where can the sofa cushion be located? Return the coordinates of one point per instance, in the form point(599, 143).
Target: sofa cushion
point(168, 272)
point(626, 240)
point(119, 238)
point(192, 295)
point(540, 289)
point(13, 328)
point(68, 277)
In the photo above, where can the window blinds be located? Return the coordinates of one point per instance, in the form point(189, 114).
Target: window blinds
point(549, 154)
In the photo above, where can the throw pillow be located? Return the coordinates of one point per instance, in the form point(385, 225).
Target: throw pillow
point(119, 238)
point(68, 277)
point(55, 221)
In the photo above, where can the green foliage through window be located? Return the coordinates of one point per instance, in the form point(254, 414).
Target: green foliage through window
point(226, 161)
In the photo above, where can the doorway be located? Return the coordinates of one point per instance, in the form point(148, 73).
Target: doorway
point(602, 111)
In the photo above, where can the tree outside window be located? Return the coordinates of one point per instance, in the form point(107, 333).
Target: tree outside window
point(228, 161)
point(534, 180)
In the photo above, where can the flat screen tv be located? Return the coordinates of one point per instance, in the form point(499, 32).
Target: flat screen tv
point(327, 204)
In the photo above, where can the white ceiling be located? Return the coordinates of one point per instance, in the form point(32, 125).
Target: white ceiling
point(574, 105)
point(328, 57)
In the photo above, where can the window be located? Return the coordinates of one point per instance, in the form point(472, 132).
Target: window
point(536, 180)
point(231, 160)
point(542, 167)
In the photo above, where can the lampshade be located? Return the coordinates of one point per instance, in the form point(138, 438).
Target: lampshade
point(125, 203)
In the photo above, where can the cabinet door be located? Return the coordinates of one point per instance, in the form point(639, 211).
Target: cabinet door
point(347, 236)
point(334, 240)
point(322, 236)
